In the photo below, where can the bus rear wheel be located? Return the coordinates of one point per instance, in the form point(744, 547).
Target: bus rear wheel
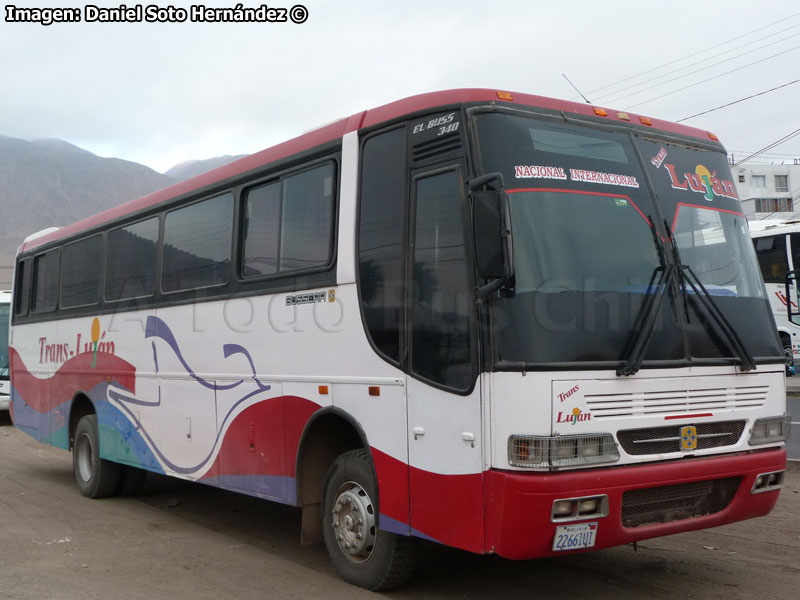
point(363, 554)
point(96, 477)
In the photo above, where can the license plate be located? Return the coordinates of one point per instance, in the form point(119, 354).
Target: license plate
point(574, 537)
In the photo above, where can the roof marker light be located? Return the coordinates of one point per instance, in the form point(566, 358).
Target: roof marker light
point(623, 116)
point(504, 96)
point(712, 136)
point(646, 121)
point(600, 112)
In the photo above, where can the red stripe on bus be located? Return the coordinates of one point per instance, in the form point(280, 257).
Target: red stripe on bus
point(697, 416)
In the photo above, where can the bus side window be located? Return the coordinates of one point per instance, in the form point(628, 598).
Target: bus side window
point(794, 242)
point(197, 244)
point(771, 253)
point(22, 291)
point(380, 238)
point(45, 287)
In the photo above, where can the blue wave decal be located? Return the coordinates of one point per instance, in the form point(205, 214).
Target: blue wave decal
point(157, 328)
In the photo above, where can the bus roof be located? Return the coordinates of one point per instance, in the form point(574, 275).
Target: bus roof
point(771, 226)
point(337, 129)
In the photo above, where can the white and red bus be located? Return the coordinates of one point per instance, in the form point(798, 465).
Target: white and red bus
point(5, 385)
point(777, 245)
point(488, 319)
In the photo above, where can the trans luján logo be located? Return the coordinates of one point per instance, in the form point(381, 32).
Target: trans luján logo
point(703, 182)
point(60, 352)
point(574, 417)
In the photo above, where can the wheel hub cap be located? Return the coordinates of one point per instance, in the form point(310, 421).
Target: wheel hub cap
point(354, 522)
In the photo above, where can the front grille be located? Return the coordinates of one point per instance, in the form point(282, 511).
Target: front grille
point(662, 440)
point(634, 404)
point(677, 502)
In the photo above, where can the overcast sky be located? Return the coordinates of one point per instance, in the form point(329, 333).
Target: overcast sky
point(160, 94)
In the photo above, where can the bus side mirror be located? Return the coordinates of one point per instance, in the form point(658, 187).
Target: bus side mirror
point(793, 297)
point(488, 228)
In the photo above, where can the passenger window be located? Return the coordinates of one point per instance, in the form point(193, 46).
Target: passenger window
point(289, 223)
point(307, 219)
point(132, 260)
point(380, 238)
point(80, 272)
point(197, 245)
point(794, 241)
point(262, 230)
point(771, 253)
point(45, 288)
point(23, 287)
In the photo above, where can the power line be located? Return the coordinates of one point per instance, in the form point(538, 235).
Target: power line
point(705, 112)
point(765, 155)
point(785, 138)
point(693, 54)
point(617, 99)
point(714, 77)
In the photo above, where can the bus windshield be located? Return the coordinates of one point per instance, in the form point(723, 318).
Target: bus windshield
point(589, 239)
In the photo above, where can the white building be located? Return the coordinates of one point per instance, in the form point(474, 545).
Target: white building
point(768, 191)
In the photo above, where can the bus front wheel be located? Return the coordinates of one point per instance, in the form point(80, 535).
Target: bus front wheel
point(363, 554)
point(96, 477)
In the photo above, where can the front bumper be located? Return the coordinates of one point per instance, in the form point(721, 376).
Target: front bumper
point(519, 504)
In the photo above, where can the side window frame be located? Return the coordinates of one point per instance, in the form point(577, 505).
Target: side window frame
point(100, 272)
point(22, 288)
point(280, 178)
point(785, 256)
point(163, 243)
point(156, 266)
point(402, 257)
point(57, 285)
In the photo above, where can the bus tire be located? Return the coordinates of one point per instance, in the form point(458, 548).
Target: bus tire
point(362, 554)
point(96, 477)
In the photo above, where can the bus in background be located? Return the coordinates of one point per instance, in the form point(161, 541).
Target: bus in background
point(487, 319)
point(5, 385)
point(777, 245)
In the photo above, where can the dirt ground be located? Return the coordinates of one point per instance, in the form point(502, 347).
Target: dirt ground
point(179, 540)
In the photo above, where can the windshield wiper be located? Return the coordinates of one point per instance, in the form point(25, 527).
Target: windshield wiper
point(706, 300)
point(646, 319)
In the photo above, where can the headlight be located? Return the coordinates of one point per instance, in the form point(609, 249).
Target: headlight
point(562, 451)
point(770, 430)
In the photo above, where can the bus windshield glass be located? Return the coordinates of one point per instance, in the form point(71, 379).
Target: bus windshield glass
point(586, 253)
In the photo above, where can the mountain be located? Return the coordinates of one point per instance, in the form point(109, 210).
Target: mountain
point(47, 183)
point(191, 168)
